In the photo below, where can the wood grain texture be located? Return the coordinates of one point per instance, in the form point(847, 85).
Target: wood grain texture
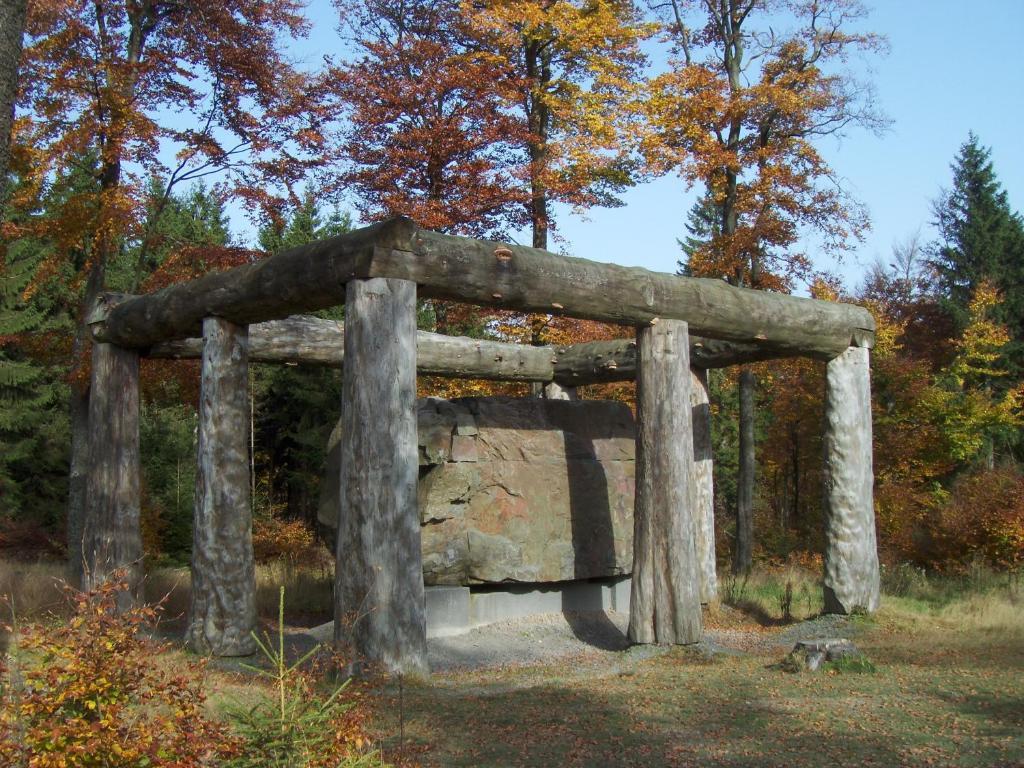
point(222, 616)
point(306, 340)
point(111, 538)
point(703, 487)
point(301, 279)
point(743, 542)
point(665, 598)
point(851, 550)
point(491, 274)
point(313, 341)
point(379, 596)
point(517, 277)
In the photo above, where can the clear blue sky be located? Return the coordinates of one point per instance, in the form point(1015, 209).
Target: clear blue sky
point(953, 67)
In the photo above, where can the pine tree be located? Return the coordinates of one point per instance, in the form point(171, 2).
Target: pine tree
point(981, 238)
point(703, 225)
point(31, 425)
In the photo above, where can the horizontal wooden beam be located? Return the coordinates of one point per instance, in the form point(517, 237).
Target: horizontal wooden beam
point(314, 341)
point(615, 360)
point(529, 279)
point(488, 273)
point(298, 280)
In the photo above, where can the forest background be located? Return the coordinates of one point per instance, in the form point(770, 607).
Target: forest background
point(154, 142)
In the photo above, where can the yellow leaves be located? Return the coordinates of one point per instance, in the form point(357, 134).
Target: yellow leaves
point(981, 346)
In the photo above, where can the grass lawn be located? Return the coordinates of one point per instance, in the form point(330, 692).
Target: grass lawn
point(948, 690)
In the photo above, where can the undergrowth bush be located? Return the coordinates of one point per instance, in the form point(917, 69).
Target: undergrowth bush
point(290, 541)
point(87, 693)
point(95, 691)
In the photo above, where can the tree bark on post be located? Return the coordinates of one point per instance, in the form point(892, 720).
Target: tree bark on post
point(743, 548)
point(378, 593)
point(851, 550)
point(665, 598)
point(111, 539)
point(222, 616)
point(703, 485)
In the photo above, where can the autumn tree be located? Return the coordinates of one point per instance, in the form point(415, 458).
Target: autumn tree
point(577, 68)
point(740, 112)
point(133, 84)
point(427, 134)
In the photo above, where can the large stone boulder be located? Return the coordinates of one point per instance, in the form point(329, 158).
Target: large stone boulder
point(519, 490)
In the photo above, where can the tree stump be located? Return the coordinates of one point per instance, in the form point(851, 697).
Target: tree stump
point(851, 552)
point(665, 598)
point(223, 611)
point(379, 596)
point(111, 539)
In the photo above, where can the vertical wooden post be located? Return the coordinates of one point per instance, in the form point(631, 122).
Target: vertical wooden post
point(743, 546)
point(665, 598)
point(851, 552)
point(111, 539)
point(223, 611)
point(703, 485)
point(379, 596)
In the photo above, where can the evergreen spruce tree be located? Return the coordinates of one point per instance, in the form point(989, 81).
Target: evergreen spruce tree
point(32, 423)
point(703, 224)
point(981, 238)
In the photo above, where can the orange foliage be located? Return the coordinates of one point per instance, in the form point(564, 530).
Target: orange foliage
point(428, 134)
point(575, 70)
point(290, 540)
point(983, 518)
point(88, 693)
point(740, 112)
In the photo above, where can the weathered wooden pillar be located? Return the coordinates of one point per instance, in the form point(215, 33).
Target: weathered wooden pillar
point(851, 552)
point(665, 598)
point(703, 485)
point(111, 539)
point(379, 597)
point(223, 611)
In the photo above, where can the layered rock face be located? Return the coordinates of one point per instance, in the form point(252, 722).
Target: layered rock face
point(519, 490)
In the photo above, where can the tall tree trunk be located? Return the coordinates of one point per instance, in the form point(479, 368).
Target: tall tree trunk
point(79, 412)
point(12, 29)
point(743, 551)
point(538, 70)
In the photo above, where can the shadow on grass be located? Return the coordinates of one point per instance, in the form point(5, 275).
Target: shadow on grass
point(759, 614)
point(633, 725)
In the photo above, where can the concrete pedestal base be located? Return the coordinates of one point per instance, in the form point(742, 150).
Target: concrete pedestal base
point(455, 610)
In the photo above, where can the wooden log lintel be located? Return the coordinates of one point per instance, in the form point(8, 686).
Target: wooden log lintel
point(490, 274)
point(314, 341)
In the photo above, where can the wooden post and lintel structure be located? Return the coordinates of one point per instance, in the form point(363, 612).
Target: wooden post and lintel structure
point(252, 313)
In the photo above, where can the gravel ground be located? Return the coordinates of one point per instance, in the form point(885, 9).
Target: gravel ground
point(550, 637)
